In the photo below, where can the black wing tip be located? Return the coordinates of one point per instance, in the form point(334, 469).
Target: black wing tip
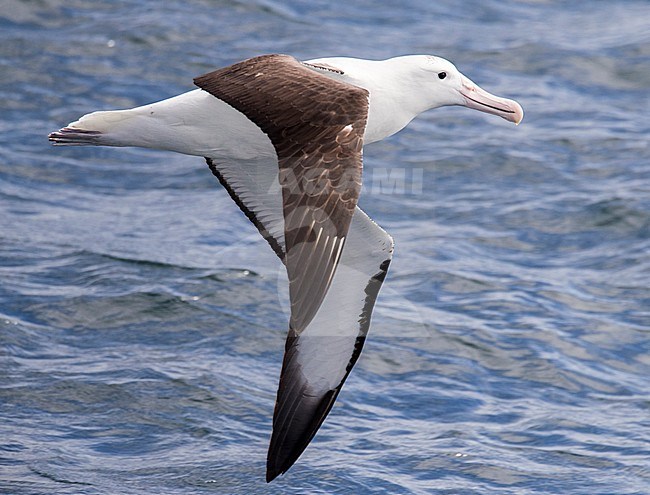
point(271, 475)
point(277, 465)
point(274, 471)
point(290, 439)
point(278, 462)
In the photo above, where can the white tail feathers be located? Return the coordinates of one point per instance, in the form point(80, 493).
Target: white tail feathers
point(94, 129)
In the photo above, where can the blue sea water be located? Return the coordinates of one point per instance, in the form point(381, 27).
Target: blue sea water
point(142, 320)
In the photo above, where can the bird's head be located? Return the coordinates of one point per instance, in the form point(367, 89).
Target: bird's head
point(445, 85)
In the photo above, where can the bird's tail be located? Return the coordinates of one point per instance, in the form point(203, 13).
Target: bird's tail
point(70, 136)
point(109, 128)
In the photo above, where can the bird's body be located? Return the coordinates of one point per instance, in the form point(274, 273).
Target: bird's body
point(285, 140)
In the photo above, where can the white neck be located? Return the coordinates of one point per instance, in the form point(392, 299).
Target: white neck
point(393, 100)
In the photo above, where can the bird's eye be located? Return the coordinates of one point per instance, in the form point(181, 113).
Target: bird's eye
point(442, 75)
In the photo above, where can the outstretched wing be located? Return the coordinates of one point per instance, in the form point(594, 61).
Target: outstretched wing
point(318, 360)
point(305, 209)
point(316, 125)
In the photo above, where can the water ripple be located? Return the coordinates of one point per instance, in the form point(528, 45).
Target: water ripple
point(142, 320)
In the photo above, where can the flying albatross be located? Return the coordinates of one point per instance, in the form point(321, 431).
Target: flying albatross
point(284, 138)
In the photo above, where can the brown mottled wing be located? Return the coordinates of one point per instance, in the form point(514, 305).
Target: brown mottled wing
point(316, 125)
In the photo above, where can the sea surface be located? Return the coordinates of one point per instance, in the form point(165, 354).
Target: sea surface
point(142, 318)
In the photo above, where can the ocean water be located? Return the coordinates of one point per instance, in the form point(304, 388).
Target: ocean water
point(142, 321)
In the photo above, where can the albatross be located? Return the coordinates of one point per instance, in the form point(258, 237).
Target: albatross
point(285, 139)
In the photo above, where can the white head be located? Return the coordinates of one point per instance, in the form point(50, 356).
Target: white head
point(439, 84)
point(403, 87)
